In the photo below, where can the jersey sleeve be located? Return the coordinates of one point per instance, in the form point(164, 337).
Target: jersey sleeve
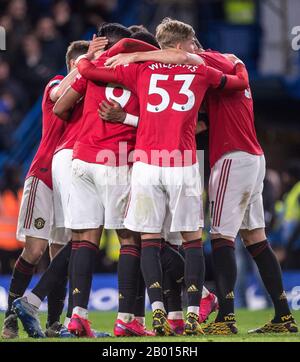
point(127, 75)
point(213, 77)
point(239, 81)
point(122, 74)
point(96, 73)
point(53, 83)
point(79, 85)
point(128, 45)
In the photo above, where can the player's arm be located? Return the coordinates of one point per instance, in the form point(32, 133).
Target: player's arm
point(201, 126)
point(96, 74)
point(202, 122)
point(64, 105)
point(128, 45)
point(112, 111)
point(168, 56)
point(96, 44)
point(58, 91)
point(237, 82)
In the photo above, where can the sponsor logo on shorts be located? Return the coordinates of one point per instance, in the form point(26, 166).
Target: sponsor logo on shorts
point(39, 223)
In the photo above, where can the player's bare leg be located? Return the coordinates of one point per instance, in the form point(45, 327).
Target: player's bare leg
point(270, 271)
point(54, 249)
point(194, 274)
point(33, 250)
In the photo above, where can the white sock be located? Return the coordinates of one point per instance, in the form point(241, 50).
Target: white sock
point(205, 292)
point(158, 305)
point(83, 313)
point(193, 310)
point(141, 320)
point(34, 300)
point(175, 315)
point(125, 317)
point(66, 322)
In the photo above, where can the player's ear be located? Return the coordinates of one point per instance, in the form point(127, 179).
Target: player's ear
point(72, 64)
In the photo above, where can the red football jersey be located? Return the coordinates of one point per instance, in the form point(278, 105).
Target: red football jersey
point(231, 116)
point(53, 128)
point(170, 97)
point(72, 128)
point(99, 141)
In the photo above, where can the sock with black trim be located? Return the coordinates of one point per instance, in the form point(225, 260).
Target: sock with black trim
point(75, 246)
point(225, 270)
point(152, 270)
point(139, 306)
point(20, 280)
point(83, 269)
point(270, 272)
point(173, 276)
point(194, 273)
point(128, 271)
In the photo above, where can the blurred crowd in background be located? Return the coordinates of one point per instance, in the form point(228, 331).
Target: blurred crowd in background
point(37, 34)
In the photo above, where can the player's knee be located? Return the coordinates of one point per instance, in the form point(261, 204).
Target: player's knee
point(254, 236)
point(126, 237)
point(33, 253)
point(191, 235)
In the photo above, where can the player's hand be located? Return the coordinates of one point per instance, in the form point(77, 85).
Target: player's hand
point(111, 111)
point(201, 127)
point(120, 59)
point(97, 44)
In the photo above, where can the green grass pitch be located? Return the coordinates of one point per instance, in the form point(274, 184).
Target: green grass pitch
point(103, 321)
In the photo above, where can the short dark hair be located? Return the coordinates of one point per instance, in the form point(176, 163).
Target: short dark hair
point(113, 32)
point(75, 49)
point(146, 37)
point(137, 28)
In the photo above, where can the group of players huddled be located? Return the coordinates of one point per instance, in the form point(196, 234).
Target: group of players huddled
point(118, 152)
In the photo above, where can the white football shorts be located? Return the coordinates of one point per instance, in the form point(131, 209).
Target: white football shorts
point(61, 179)
point(155, 190)
point(36, 211)
point(235, 193)
point(99, 195)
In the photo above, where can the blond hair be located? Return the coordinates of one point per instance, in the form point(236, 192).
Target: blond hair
point(171, 32)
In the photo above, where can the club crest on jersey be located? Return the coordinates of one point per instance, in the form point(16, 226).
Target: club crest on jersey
point(39, 223)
